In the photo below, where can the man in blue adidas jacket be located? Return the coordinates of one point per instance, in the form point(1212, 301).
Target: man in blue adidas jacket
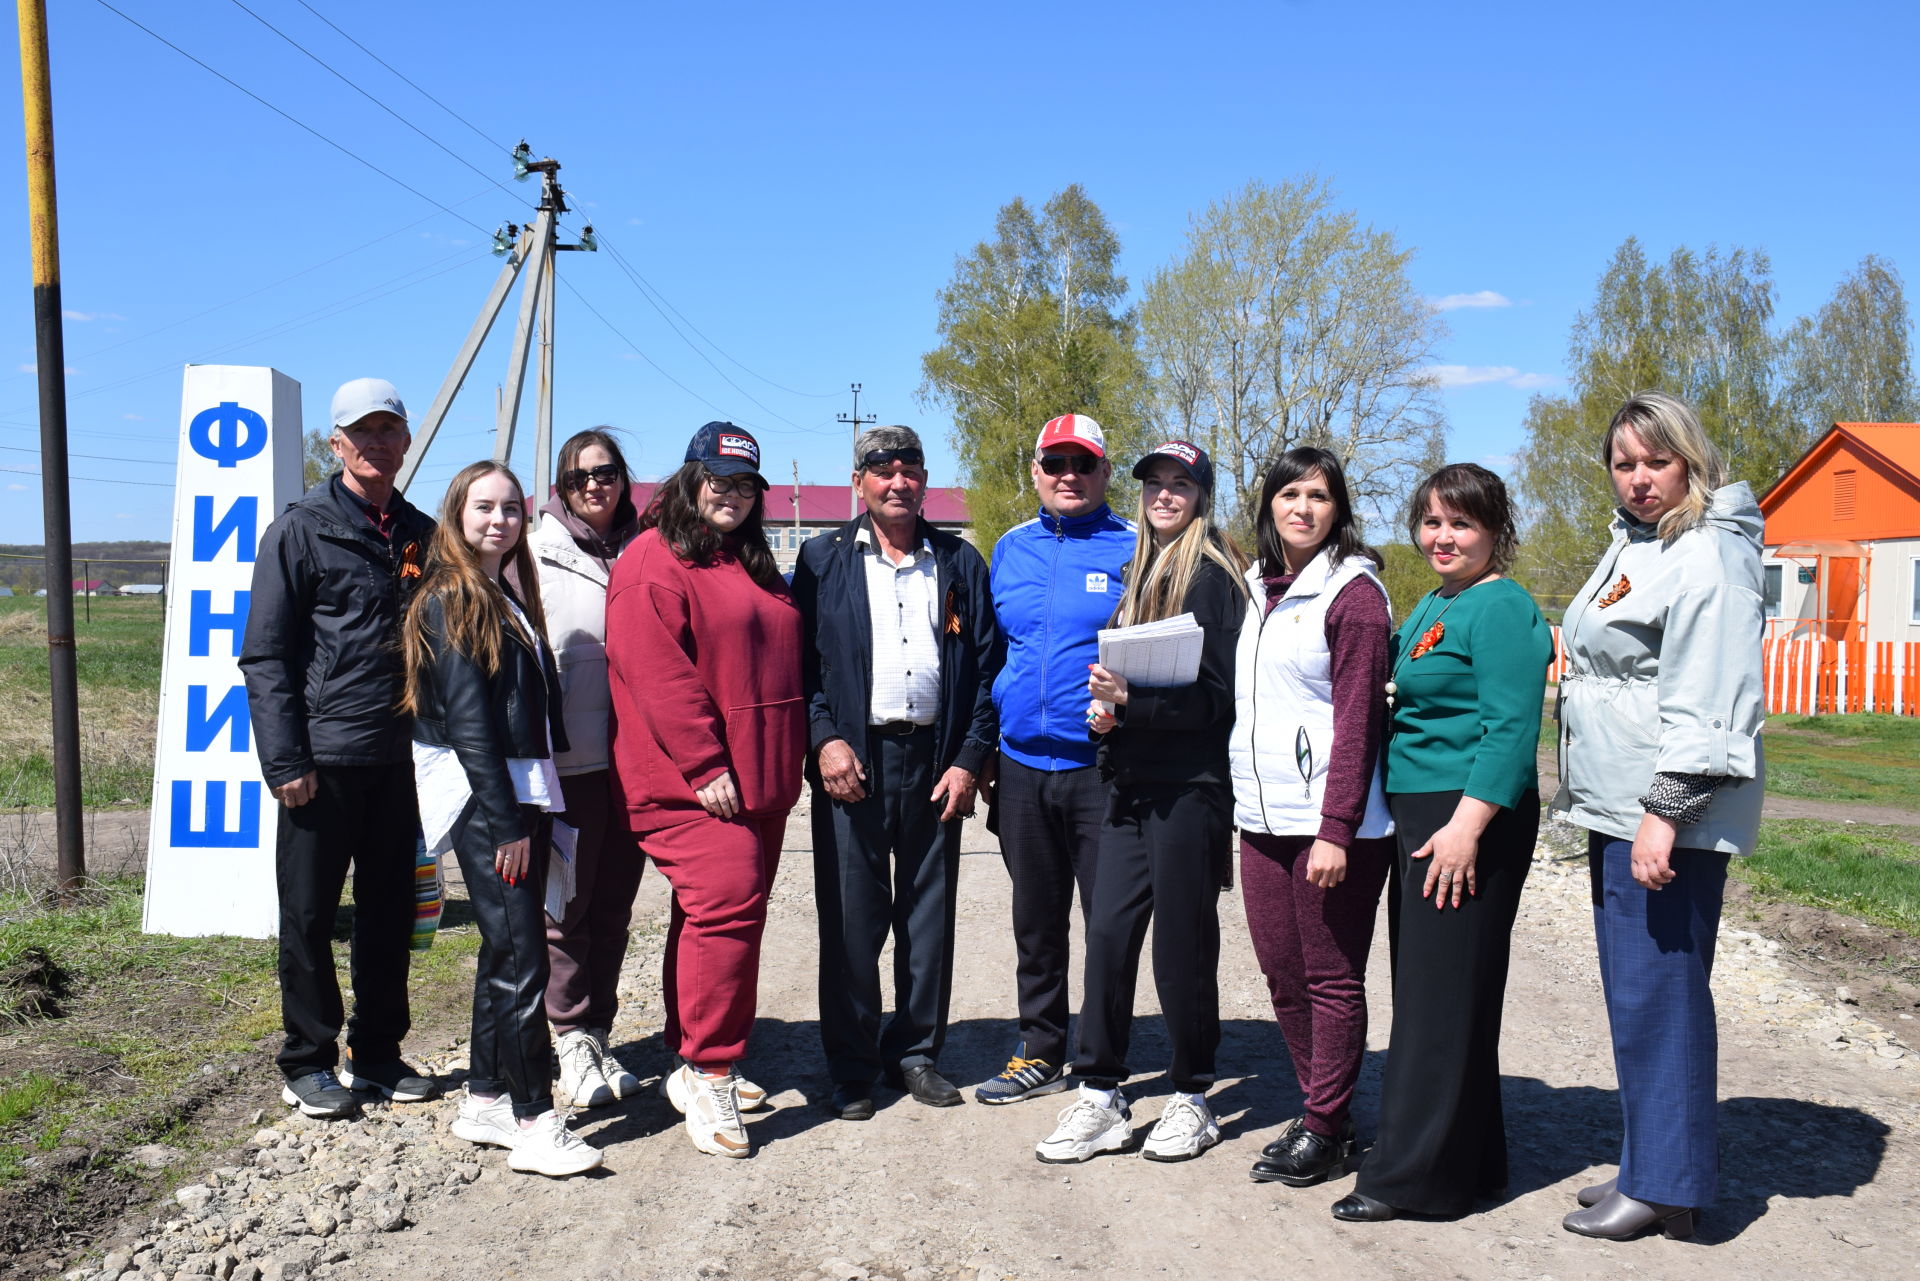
point(1056, 581)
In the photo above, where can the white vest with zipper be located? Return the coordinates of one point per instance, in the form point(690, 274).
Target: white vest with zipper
point(1283, 706)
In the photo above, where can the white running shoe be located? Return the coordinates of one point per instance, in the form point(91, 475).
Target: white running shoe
point(582, 1083)
point(673, 1089)
point(1183, 1132)
point(712, 1105)
point(1086, 1129)
point(624, 1084)
point(548, 1147)
point(491, 1123)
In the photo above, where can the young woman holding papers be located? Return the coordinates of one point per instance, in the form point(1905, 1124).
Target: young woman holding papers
point(1164, 846)
point(1315, 840)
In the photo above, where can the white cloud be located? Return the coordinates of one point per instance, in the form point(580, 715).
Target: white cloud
point(636, 222)
point(84, 316)
point(123, 515)
point(16, 489)
point(1478, 298)
point(34, 369)
point(134, 418)
point(1452, 376)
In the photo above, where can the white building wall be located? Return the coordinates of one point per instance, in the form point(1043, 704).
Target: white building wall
point(1890, 609)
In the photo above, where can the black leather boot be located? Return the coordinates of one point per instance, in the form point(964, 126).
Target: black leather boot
point(1305, 1158)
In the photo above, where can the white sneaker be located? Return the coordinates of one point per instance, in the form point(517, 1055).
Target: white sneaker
point(491, 1123)
point(1184, 1131)
point(712, 1106)
point(623, 1083)
point(548, 1147)
point(1085, 1130)
point(752, 1098)
point(582, 1083)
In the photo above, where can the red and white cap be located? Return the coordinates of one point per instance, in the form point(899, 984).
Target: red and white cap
point(1073, 429)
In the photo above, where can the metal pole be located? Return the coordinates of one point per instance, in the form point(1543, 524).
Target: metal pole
point(543, 429)
point(463, 362)
point(523, 337)
point(36, 91)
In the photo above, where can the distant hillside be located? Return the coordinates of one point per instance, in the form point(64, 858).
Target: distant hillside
point(22, 566)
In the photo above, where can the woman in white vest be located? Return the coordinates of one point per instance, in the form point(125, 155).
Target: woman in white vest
point(1314, 830)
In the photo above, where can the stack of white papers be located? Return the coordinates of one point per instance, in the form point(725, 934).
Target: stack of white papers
point(1162, 653)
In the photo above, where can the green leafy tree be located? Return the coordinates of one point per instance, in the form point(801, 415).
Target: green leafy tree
point(1285, 322)
point(1033, 324)
point(1700, 327)
point(316, 458)
point(1852, 361)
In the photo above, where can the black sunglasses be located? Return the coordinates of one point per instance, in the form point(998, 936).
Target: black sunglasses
point(605, 474)
point(1061, 464)
point(888, 457)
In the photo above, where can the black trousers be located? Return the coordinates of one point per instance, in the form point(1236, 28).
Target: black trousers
point(1050, 823)
point(886, 863)
point(366, 817)
point(510, 1053)
point(1161, 853)
point(1443, 1137)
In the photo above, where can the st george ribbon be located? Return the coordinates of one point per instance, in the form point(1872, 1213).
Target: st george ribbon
point(210, 866)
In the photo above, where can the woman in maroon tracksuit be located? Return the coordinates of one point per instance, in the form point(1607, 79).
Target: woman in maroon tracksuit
point(703, 656)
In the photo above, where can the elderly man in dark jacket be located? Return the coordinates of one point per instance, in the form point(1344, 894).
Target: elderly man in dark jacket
point(323, 671)
point(898, 669)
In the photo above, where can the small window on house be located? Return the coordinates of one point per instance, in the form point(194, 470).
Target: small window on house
point(1913, 601)
point(1844, 488)
point(1770, 599)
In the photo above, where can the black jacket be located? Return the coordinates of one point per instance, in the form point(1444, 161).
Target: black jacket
point(488, 720)
point(321, 654)
point(1178, 733)
point(830, 586)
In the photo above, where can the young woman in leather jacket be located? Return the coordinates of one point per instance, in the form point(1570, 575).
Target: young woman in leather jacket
point(484, 695)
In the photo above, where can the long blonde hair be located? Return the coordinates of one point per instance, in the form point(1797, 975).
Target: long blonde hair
point(1667, 425)
point(474, 609)
point(1158, 579)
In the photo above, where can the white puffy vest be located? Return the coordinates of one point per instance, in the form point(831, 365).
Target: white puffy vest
point(1283, 707)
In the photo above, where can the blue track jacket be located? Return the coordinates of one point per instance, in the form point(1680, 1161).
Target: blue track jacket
point(1056, 582)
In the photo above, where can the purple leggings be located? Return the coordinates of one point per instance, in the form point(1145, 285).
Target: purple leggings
point(1312, 945)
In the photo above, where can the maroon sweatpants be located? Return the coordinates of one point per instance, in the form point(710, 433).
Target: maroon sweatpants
point(721, 871)
point(1312, 945)
point(586, 949)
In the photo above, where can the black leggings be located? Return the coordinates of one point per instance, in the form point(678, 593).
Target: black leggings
point(510, 1051)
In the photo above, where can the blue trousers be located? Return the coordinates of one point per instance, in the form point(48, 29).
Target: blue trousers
point(1656, 962)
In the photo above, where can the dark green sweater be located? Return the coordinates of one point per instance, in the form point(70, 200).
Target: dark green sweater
point(1467, 712)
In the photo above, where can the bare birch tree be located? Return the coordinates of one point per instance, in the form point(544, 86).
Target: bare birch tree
point(1287, 323)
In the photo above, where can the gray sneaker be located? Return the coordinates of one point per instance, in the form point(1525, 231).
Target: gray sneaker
point(393, 1078)
point(1085, 1130)
point(1023, 1078)
point(319, 1094)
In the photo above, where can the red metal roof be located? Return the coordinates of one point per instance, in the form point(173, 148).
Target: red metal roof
point(834, 504)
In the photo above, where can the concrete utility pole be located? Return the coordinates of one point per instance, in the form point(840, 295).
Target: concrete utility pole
point(796, 511)
point(537, 244)
point(857, 422)
point(36, 89)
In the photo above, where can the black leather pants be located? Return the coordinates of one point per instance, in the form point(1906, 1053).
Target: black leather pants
point(510, 1050)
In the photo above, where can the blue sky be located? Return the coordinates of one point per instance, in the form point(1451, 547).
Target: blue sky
point(795, 182)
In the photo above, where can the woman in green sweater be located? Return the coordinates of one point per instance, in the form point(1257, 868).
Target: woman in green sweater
point(1467, 676)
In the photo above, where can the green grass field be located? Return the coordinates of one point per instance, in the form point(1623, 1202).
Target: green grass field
point(1863, 757)
point(118, 654)
point(136, 1016)
point(1865, 871)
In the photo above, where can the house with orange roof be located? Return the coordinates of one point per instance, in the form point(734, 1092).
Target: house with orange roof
point(1842, 559)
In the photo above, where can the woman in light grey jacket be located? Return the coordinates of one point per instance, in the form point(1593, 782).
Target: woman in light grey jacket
point(1660, 714)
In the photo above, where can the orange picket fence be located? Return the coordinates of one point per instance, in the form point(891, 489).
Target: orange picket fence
point(1817, 676)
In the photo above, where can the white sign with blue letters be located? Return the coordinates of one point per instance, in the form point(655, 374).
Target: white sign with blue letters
point(210, 865)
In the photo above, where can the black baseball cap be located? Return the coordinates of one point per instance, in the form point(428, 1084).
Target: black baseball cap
point(1192, 459)
point(726, 450)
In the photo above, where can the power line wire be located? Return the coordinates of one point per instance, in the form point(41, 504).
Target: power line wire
point(102, 480)
point(288, 116)
point(98, 458)
point(410, 84)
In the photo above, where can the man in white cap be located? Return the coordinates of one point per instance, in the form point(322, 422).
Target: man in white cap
point(323, 671)
point(1056, 582)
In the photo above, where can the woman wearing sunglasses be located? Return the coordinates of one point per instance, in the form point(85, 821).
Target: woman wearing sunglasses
point(709, 730)
point(1164, 845)
point(582, 530)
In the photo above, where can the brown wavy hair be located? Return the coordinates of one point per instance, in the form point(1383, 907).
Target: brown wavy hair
point(1477, 494)
point(474, 609)
point(675, 512)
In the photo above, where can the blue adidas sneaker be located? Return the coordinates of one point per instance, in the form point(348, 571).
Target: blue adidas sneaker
point(1023, 1078)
